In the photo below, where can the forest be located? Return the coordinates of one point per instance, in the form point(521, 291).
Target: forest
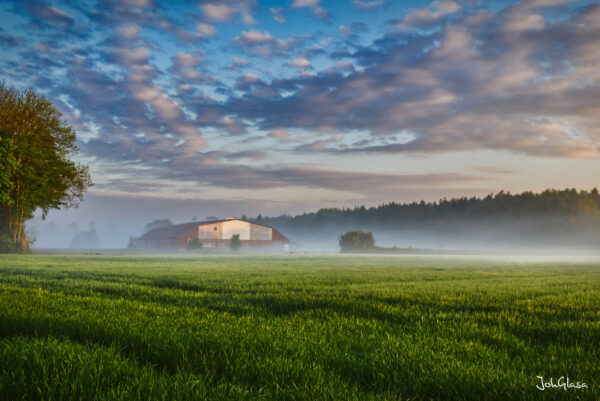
point(553, 217)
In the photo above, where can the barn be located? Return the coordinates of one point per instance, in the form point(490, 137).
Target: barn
point(214, 235)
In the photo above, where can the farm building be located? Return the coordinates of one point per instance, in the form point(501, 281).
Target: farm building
point(214, 235)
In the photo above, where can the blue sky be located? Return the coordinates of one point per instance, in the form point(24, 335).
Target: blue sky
point(242, 106)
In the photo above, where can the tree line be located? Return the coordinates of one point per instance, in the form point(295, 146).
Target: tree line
point(568, 210)
point(549, 203)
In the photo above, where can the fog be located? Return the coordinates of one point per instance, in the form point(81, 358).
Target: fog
point(468, 240)
point(116, 218)
point(103, 222)
point(501, 236)
point(553, 236)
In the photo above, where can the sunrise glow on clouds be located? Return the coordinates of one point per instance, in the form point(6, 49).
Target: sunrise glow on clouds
point(285, 106)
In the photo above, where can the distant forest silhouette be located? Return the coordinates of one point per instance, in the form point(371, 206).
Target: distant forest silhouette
point(568, 217)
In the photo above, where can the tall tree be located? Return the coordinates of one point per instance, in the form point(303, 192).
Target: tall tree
point(37, 170)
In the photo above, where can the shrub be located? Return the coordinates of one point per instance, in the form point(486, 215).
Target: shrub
point(234, 243)
point(194, 245)
point(6, 244)
point(353, 241)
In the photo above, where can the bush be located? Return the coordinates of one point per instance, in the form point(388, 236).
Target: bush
point(7, 244)
point(234, 243)
point(353, 241)
point(194, 245)
point(132, 242)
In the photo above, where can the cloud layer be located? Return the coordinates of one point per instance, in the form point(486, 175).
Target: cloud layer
point(226, 95)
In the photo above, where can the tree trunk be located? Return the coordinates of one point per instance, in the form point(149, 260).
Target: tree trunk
point(16, 215)
point(21, 239)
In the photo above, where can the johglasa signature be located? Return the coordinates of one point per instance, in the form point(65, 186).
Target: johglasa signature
point(563, 383)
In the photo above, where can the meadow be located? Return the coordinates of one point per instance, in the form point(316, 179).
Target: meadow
point(296, 327)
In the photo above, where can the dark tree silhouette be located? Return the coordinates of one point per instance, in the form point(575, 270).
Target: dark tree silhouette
point(357, 240)
point(156, 223)
point(194, 245)
point(564, 214)
point(234, 243)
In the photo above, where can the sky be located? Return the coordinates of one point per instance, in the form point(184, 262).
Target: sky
point(223, 108)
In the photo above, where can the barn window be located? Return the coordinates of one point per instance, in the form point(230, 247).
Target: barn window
point(215, 228)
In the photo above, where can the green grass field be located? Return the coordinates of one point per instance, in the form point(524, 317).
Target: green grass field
point(296, 328)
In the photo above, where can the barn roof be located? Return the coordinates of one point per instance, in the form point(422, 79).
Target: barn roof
point(173, 231)
point(176, 230)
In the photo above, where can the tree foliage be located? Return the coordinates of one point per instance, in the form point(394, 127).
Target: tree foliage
point(36, 166)
point(157, 223)
point(194, 245)
point(235, 243)
point(549, 216)
point(547, 204)
point(356, 240)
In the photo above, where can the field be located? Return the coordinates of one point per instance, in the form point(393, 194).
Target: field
point(83, 327)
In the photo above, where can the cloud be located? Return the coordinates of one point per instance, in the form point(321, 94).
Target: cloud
point(282, 135)
point(277, 13)
point(263, 44)
point(220, 12)
point(135, 116)
point(315, 6)
point(141, 3)
point(128, 56)
point(525, 22)
point(344, 66)
point(246, 154)
point(253, 37)
point(110, 13)
point(299, 62)
point(426, 18)
point(217, 12)
point(239, 176)
point(9, 40)
point(319, 144)
point(206, 29)
point(52, 15)
point(368, 4)
point(495, 170)
point(240, 61)
point(536, 4)
point(351, 32)
point(237, 64)
point(470, 86)
point(185, 60)
point(305, 3)
point(518, 80)
point(129, 31)
point(247, 81)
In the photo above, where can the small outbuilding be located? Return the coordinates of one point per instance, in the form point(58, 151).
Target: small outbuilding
point(214, 235)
